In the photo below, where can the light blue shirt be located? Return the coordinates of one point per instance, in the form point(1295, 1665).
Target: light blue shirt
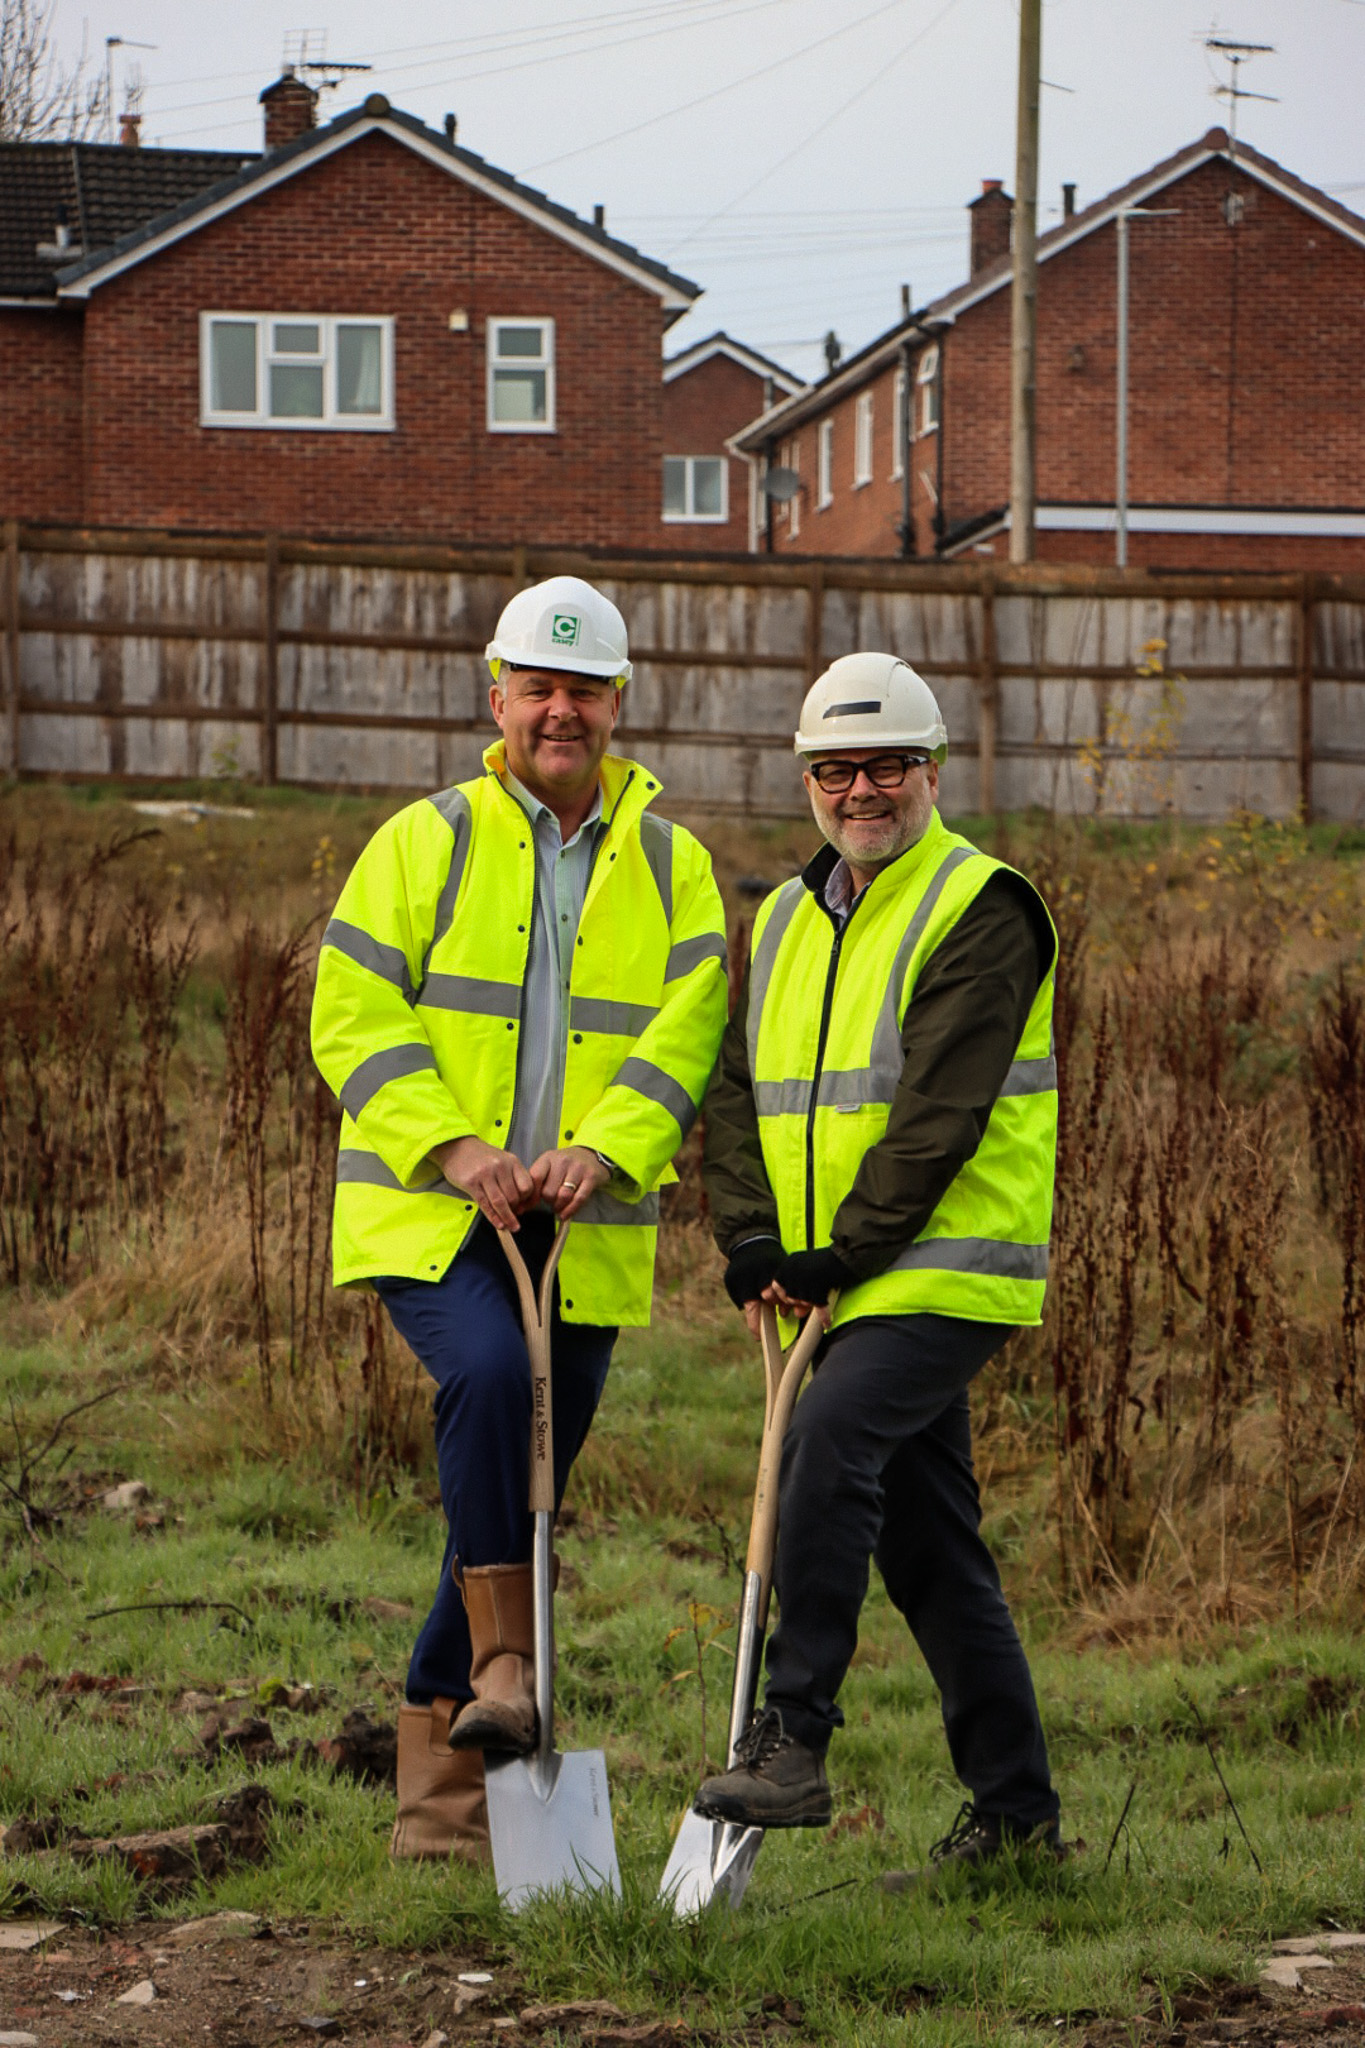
point(563, 870)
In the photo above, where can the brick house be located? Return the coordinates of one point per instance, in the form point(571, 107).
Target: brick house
point(367, 331)
point(711, 390)
point(1246, 421)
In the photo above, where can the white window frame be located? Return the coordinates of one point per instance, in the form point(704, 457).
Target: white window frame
point(926, 382)
point(691, 517)
point(544, 361)
point(331, 421)
point(864, 423)
point(899, 424)
point(824, 448)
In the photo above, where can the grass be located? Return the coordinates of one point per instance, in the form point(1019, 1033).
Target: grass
point(1170, 1469)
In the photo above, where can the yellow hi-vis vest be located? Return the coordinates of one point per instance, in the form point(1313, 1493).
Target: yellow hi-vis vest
point(824, 1042)
point(417, 1018)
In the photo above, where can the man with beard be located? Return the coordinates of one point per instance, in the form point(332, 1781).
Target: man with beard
point(881, 1136)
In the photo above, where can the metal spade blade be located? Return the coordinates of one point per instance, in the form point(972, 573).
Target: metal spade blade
point(549, 1816)
point(714, 1858)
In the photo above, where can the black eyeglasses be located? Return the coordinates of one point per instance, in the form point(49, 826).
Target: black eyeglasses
point(883, 771)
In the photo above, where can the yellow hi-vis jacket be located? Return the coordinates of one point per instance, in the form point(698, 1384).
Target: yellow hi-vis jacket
point(824, 1045)
point(417, 1018)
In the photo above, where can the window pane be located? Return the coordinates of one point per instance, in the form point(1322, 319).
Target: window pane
point(296, 391)
point(706, 486)
point(520, 341)
point(232, 366)
point(358, 381)
point(519, 396)
point(675, 485)
point(295, 340)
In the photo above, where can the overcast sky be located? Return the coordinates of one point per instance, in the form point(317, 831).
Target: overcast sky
point(800, 159)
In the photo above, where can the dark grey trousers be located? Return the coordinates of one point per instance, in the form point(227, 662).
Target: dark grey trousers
point(878, 1463)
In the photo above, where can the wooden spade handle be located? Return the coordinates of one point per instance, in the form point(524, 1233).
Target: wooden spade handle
point(535, 1321)
point(784, 1377)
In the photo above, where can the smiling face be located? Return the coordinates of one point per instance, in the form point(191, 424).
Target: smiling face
point(557, 726)
point(871, 827)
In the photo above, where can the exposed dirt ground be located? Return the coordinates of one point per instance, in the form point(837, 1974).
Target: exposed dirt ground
point(234, 1982)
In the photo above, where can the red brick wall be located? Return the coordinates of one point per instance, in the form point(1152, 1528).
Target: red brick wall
point(702, 408)
point(375, 229)
point(40, 375)
point(1245, 353)
point(860, 519)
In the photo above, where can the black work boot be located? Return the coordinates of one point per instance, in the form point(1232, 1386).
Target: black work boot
point(975, 1839)
point(777, 1782)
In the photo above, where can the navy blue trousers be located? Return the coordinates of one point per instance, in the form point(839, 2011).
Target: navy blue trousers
point(877, 1463)
point(466, 1330)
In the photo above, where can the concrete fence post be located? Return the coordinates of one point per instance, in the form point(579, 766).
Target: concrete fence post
point(270, 671)
point(12, 640)
point(987, 704)
point(1306, 596)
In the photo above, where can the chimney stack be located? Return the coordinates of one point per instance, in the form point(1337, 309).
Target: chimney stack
point(1068, 201)
point(599, 216)
point(992, 216)
point(291, 109)
point(452, 128)
point(130, 130)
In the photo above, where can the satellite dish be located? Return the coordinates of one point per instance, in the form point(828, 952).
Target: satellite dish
point(781, 484)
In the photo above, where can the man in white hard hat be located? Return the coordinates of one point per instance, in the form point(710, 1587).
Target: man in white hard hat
point(881, 1135)
point(519, 1002)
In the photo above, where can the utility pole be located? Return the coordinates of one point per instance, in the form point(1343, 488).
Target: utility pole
point(1024, 293)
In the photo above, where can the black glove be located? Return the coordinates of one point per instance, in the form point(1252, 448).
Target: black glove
point(813, 1276)
point(751, 1267)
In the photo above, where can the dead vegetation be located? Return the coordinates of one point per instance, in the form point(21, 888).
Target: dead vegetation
point(1193, 1409)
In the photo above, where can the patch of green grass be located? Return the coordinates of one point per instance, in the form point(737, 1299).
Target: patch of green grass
point(322, 1579)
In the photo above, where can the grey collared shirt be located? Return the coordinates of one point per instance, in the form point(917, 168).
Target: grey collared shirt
point(563, 869)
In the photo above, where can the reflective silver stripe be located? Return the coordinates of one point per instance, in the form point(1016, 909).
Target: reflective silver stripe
point(385, 961)
point(364, 1169)
point(374, 1073)
point(656, 843)
point(1031, 1077)
point(840, 1088)
point(765, 956)
point(887, 1056)
point(689, 953)
point(605, 1208)
point(624, 1020)
point(995, 1257)
point(782, 1098)
point(453, 806)
point(472, 994)
point(652, 1082)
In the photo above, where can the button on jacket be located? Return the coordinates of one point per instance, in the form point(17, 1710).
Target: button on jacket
point(419, 1011)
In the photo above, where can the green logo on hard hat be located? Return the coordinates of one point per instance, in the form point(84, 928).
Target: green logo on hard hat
point(564, 631)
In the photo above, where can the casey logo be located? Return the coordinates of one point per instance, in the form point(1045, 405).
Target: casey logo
point(564, 629)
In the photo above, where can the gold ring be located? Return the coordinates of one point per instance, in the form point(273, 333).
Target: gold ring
point(568, 1186)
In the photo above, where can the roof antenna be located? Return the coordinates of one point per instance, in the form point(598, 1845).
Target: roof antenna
point(112, 43)
point(1237, 54)
point(305, 49)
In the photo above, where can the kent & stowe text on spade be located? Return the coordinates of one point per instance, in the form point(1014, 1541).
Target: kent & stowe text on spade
point(549, 1816)
point(712, 1857)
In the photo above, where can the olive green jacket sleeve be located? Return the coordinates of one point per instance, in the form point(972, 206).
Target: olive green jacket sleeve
point(959, 1036)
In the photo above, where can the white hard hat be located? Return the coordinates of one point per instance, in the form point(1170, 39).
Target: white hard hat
point(871, 700)
point(563, 623)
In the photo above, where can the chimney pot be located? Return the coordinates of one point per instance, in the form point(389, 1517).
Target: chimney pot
point(905, 302)
point(452, 127)
point(1068, 201)
point(992, 215)
point(291, 109)
point(599, 216)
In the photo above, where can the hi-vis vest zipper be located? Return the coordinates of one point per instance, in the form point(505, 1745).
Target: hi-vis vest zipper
point(417, 1018)
point(825, 1016)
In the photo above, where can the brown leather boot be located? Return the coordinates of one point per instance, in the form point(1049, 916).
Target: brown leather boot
point(441, 1806)
point(501, 1717)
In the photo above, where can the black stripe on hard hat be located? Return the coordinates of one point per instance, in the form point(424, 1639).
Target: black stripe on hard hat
point(852, 710)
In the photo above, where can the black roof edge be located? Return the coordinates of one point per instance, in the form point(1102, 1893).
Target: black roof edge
point(367, 111)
